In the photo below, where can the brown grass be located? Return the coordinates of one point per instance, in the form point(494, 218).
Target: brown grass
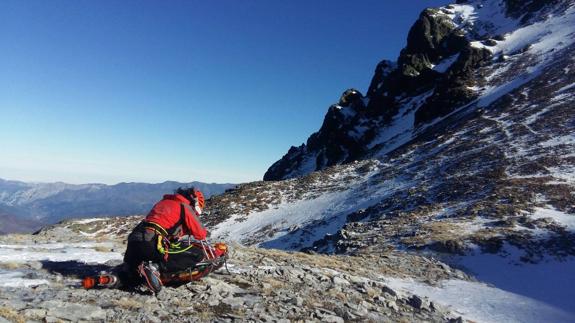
point(11, 315)
point(337, 294)
point(103, 249)
point(127, 303)
point(433, 231)
point(11, 265)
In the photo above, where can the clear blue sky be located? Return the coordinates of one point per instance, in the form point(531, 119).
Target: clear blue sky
point(118, 91)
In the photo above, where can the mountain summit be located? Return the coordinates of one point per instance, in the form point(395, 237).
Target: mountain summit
point(458, 59)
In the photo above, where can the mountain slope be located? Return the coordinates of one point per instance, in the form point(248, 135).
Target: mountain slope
point(508, 150)
point(13, 221)
point(436, 74)
point(486, 183)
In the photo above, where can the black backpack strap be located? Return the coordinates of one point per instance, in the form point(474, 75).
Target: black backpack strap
point(177, 228)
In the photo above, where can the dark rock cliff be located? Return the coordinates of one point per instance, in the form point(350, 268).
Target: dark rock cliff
point(347, 131)
point(436, 73)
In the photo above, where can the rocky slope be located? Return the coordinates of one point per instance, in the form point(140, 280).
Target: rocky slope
point(263, 285)
point(437, 73)
point(487, 184)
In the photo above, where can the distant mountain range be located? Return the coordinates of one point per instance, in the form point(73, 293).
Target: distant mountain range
point(28, 206)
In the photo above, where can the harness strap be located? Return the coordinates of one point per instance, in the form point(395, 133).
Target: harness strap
point(164, 236)
point(155, 227)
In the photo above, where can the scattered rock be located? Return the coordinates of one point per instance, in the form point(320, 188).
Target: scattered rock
point(415, 301)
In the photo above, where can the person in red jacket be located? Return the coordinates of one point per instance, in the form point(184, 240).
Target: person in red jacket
point(176, 215)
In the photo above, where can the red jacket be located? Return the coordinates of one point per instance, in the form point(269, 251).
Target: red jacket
point(166, 213)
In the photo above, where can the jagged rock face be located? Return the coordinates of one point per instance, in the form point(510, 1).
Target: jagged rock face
point(477, 182)
point(453, 88)
point(338, 141)
point(496, 172)
point(431, 38)
point(437, 73)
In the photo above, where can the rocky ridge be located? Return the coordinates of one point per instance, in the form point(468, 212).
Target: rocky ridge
point(493, 179)
point(495, 170)
point(434, 75)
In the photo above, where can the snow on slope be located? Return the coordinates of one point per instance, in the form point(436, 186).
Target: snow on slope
point(400, 130)
point(297, 223)
point(538, 42)
point(284, 226)
point(19, 279)
point(479, 302)
point(85, 252)
point(550, 281)
point(480, 18)
point(562, 218)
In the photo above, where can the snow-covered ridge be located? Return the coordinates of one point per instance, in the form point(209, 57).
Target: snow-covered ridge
point(480, 19)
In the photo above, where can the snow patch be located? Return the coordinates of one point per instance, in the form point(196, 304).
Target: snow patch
point(278, 220)
point(16, 279)
point(548, 282)
point(400, 129)
point(307, 166)
point(565, 219)
point(566, 87)
point(445, 64)
point(482, 303)
point(84, 252)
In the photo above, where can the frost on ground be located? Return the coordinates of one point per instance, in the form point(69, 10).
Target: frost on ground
point(561, 218)
point(19, 279)
point(265, 285)
point(549, 281)
point(483, 303)
point(85, 252)
point(22, 259)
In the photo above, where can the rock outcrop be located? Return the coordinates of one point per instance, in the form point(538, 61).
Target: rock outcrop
point(437, 73)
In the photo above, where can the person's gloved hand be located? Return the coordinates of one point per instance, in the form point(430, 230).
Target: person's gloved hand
point(220, 249)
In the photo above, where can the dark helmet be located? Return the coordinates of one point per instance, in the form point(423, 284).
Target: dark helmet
point(194, 195)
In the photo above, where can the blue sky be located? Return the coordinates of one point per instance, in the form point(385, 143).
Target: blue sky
point(216, 91)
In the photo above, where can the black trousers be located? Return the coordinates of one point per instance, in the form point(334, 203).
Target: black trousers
point(142, 246)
